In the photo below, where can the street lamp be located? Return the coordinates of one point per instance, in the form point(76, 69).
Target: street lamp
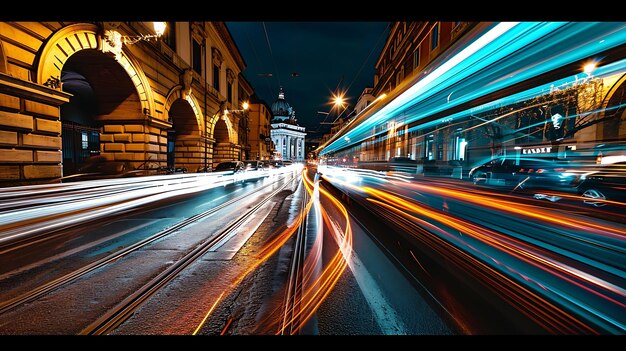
point(590, 67)
point(112, 40)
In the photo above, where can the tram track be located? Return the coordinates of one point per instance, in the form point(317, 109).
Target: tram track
point(43, 289)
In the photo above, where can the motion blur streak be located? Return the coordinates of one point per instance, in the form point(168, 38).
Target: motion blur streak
point(315, 292)
point(30, 213)
point(280, 237)
point(550, 316)
point(208, 313)
point(523, 209)
point(530, 254)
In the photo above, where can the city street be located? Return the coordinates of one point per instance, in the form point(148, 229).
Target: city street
point(214, 178)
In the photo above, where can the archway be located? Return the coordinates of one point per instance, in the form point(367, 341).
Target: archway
point(102, 91)
point(222, 151)
point(183, 149)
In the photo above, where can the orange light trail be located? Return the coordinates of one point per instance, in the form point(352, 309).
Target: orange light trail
point(526, 300)
point(315, 292)
point(282, 236)
point(534, 255)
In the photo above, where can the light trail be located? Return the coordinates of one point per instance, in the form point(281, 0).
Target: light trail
point(505, 55)
point(583, 284)
point(316, 291)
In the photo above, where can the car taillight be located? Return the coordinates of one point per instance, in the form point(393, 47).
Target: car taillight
point(539, 171)
point(521, 170)
point(559, 169)
point(530, 170)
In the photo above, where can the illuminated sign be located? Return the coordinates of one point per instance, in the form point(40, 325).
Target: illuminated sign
point(556, 120)
point(536, 150)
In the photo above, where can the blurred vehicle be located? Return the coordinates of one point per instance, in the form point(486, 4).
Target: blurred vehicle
point(402, 164)
point(233, 166)
point(253, 165)
point(604, 182)
point(276, 163)
point(204, 169)
point(525, 173)
point(287, 163)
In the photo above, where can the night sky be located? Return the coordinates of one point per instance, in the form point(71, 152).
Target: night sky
point(310, 60)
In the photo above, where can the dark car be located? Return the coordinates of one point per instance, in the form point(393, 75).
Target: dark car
point(605, 182)
point(525, 173)
point(253, 165)
point(233, 166)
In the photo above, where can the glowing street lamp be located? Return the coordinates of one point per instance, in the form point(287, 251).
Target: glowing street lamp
point(590, 67)
point(159, 28)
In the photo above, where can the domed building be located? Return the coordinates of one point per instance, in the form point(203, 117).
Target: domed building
point(287, 135)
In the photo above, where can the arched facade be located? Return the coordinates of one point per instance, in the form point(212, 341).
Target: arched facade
point(160, 96)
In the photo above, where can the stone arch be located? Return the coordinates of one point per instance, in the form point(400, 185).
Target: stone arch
point(187, 146)
point(225, 120)
point(176, 93)
point(3, 59)
point(81, 36)
point(225, 148)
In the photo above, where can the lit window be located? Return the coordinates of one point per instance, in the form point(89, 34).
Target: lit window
point(84, 140)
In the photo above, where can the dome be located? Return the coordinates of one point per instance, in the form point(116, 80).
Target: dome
point(281, 107)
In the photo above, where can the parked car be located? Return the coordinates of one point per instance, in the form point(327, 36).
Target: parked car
point(604, 182)
point(233, 166)
point(525, 173)
point(253, 165)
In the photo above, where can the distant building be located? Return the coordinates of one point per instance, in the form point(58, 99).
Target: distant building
point(364, 100)
point(260, 117)
point(287, 135)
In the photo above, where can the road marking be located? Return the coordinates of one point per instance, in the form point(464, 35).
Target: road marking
point(386, 316)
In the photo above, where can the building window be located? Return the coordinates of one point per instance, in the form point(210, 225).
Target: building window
point(434, 37)
point(197, 56)
point(170, 35)
point(216, 77)
point(84, 140)
point(230, 92)
point(416, 58)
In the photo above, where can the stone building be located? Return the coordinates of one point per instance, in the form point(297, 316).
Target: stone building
point(260, 117)
point(287, 135)
point(147, 94)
